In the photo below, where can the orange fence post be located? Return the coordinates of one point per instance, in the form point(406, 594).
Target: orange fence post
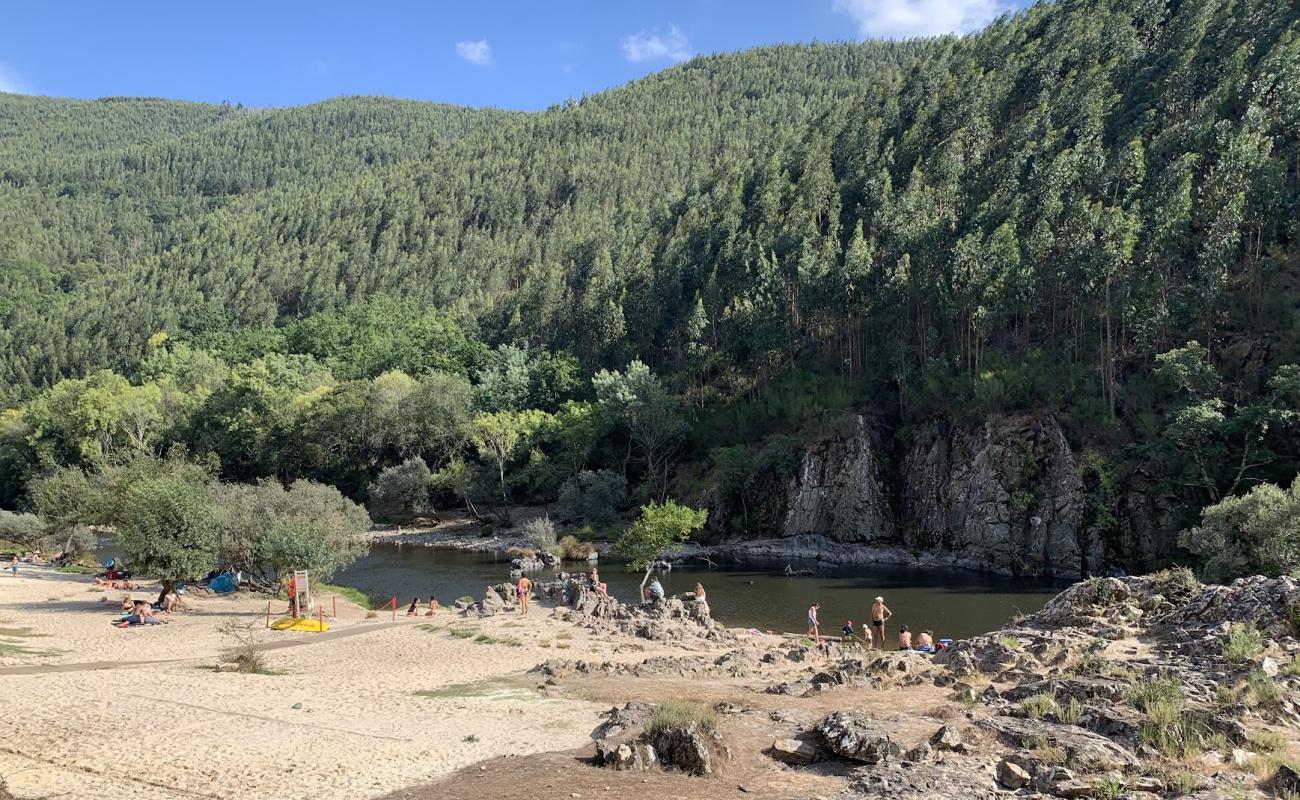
point(394, 608)
point(334, 601)
point(320, 619)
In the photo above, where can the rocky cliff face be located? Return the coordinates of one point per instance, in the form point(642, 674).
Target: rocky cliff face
point(1006, 494)
point(838, 491)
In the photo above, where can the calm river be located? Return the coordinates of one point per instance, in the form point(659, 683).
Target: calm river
point(953, 603)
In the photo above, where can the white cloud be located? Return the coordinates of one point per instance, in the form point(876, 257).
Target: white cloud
point(10, 82)
point(652, 46)
point(479, 52)
point(902, 19)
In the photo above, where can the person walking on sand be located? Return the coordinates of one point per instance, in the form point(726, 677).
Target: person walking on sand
point(812, 623)
point(524, 589)
point(880, 614)
point(13, 567)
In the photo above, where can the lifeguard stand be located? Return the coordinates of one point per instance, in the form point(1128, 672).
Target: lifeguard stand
point(301, 593)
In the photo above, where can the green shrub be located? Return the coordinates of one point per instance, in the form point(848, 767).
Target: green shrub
point(1243, 643)
point(1181, 782)
point(1071, 712)
point(1100, 590)
point(1262, 690)
point(540, 533)
point(1176, 582)
point(592, 498)
point(575, 550)
point(1039, 705)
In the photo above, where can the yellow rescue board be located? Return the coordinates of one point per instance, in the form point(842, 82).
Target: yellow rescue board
point(300, 624)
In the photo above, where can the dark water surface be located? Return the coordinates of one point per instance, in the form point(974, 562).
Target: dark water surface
point(954, 603)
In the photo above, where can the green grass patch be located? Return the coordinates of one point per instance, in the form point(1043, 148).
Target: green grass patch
point(463, 690)
point(351, 595)
point(15, 649)
point(1292, 667)
point(20, 633)
point(461, 633)
point(508, 641)
point(1266, 741)
point(75, 569)
point(678, 714)
point(1157, 692)
point(1242, 644)
point(1009, 642)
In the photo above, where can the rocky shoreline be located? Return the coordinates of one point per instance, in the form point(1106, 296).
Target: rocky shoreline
point(1139, 688)
point(801, 548)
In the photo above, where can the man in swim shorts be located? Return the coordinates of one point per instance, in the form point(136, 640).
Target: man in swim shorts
point(880, 614)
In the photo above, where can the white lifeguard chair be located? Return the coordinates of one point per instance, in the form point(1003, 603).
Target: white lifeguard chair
point(302, 600)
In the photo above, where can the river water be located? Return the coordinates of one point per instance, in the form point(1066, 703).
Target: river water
point(953, 603)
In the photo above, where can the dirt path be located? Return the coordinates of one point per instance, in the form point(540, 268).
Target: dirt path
point(318, 638)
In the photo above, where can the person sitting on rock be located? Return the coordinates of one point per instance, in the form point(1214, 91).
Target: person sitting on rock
point(699, 593)
point(654, 592)
point(847, 630)
point(904, 638)
point(925, 641)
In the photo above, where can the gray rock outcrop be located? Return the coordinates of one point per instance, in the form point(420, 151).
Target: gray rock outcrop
point(1006, 495)
point(838, 492)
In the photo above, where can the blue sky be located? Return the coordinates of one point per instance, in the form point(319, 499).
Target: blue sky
point(518, 54)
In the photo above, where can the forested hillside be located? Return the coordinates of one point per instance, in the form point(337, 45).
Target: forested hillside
point(1088, 211)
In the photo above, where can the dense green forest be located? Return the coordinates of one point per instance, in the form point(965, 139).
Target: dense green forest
point(1090, 208)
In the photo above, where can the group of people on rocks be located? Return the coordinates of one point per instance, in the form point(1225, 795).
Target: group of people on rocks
point(874, 636)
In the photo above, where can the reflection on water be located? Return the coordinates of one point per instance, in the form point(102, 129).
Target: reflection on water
point(953, 603)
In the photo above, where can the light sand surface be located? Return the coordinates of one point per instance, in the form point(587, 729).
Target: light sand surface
point(176, 728)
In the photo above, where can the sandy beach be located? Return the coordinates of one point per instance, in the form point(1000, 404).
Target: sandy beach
point(89, 709)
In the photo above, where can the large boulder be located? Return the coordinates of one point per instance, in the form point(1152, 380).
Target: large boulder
point(1005, 495)
point(793, 751)
point(852, 735)
point(838, 492)
point(1084, 749)
point(686, 747)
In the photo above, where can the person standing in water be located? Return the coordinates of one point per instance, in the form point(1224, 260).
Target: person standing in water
point(880, 614)
point(812, 623)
